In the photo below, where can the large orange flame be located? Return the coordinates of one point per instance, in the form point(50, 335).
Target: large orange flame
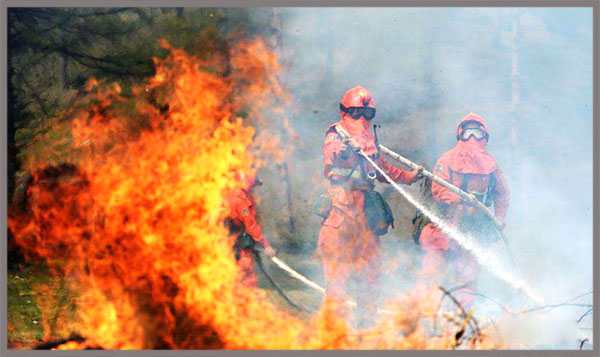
point(134, 218)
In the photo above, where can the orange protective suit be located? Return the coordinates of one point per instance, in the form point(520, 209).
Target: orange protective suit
point(470, 167)
point(345, 243)
point(242, 218)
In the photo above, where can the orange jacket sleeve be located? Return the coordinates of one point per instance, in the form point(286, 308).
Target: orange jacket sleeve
point(246, 213)
point(439, 192)
point(395, 173)
point(501, 194)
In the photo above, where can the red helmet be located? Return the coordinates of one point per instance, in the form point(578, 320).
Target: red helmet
point(357, 97)
point(358, 102)
point(475, 119)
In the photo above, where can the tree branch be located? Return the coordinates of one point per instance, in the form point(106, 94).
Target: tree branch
point(82, 57)
point(551, 306)
point(106, 12)
point(585, 314)
point(464, 313)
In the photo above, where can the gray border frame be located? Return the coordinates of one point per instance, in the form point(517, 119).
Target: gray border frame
point(594, 4)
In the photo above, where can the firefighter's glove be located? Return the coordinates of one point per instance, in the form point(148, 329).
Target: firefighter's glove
point(344, 151)
point(470, 202)
point(270, 252)
point(502, 225)
point(417, 174)
point(350, 144)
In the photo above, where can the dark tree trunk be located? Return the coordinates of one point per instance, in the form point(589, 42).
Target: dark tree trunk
point(330, 16)
point(276, 43)
point(12, 116)
point(290, 202)
point(433, 97)
point(14, 253)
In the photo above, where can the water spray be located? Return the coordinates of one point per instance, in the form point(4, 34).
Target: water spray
point(485, 258)
point(478, 204)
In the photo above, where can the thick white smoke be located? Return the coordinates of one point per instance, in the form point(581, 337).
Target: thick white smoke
point(527, 71)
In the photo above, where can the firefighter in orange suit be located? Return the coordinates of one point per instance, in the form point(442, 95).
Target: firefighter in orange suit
point(346, 242)
point(243, 225)
point(470, 167)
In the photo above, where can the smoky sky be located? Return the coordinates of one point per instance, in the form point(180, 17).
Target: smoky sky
point(526, 71)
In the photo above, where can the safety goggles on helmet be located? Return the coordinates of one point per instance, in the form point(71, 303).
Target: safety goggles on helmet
point(472, 130)
point(357, 112)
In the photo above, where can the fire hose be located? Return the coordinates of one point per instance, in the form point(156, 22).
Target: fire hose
point(294, 274)
point(279, 290)
point(483, 208)
point(347, 136)
point(316, 286)
point(447, 185)
point(408, 163)
point(510, 279)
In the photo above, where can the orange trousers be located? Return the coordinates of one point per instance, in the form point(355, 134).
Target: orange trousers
point(346, 245)
point(434, 267)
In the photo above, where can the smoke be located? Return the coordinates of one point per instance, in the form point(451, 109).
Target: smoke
point(527, 71)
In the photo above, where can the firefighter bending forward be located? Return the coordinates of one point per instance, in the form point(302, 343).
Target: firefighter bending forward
point(470, 167)
point(243, 225)
point(346, 242)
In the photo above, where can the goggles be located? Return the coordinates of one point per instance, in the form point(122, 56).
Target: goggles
point(357, 112)
point(474, 131)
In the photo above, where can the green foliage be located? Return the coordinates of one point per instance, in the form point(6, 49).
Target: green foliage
point(53, 52)
point(28, 321)
point(23, 313)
